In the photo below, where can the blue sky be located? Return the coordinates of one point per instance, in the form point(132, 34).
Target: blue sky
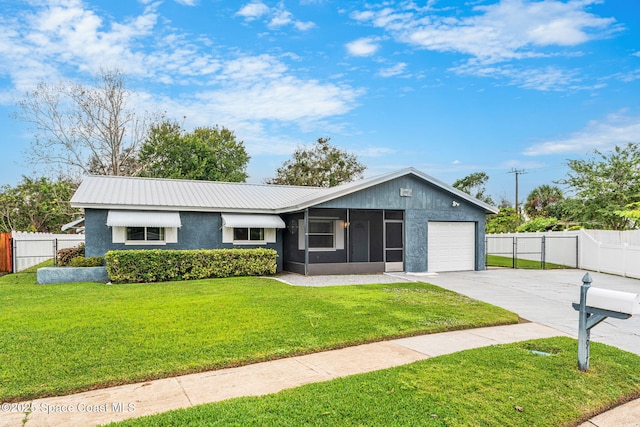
point(447, 87)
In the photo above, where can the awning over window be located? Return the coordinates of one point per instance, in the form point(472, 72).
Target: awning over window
point(143, 219)
point(252, 221)
point(73, 224)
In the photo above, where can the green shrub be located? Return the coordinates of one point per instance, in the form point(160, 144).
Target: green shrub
point(64, 256)
point(94, 261)
point(540, 224)
point(156, 265)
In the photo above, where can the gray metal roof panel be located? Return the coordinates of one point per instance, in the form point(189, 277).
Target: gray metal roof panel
point(171, 194)
point(107, 191)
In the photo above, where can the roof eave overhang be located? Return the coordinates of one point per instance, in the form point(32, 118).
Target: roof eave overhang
point(172, 208)
point(384, 178)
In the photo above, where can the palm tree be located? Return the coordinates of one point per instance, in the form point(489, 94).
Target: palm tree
point(541, 197)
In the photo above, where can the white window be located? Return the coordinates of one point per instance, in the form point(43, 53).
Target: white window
point(145, 234)
point(325, 234)
point(143, 227)
point(248, 235)
point(322, 234)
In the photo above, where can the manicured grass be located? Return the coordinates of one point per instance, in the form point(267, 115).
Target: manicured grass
point(501, 261)
point(57, 339)
point(506, 385)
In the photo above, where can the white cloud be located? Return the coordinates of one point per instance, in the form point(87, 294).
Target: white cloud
point(366, 46)
point(253, 10)
point(543, 79)
point(374, 151)
point(277, 17)
point(280, 18)
point(393, 71)
point(71, 40)
point(187, 2)
point(499, 33)
point(615, 129)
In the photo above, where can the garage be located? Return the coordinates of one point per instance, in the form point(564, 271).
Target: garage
point(451, 246)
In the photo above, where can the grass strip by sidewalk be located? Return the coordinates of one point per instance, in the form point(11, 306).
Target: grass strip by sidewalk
point(505, 385)
point(59, 339)
point(501, 261)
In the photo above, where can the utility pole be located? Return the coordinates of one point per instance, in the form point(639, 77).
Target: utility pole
point(517, 172)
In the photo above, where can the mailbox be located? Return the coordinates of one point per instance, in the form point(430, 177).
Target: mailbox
point(596, 305)
point(616, 301)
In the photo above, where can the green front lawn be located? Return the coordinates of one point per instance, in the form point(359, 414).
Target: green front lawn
point(506, 385)
point(58, 339)
point(501, 261)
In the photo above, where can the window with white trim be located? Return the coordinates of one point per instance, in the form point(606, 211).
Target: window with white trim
point(322, 234)
point(248, 234)
point(325, 234)
point(145, 234)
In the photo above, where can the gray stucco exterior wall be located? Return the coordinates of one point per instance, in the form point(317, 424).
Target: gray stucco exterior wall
point(200, 230)
point(427, 203)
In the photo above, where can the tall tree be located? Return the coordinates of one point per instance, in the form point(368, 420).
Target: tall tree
point(36, 205)
point(474, 184)
point(506, 220)
point(322, 165)
point(540, 198)
point(207, 153)
point(606, 184)
point(83, 128)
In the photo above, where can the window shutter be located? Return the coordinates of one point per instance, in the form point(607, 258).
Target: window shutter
point(118, 234)
point(171, 235)
point(301, 233)
point(227, 234)
point(339, 236)
point(270, 235)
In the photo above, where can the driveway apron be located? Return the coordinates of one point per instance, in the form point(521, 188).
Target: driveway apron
point(545, 297)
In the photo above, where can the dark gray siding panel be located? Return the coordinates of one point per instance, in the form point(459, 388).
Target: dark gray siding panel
point(387, 196)
point(200, 230)
point(427, 203)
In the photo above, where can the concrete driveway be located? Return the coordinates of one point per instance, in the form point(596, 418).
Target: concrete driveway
point(545, 297)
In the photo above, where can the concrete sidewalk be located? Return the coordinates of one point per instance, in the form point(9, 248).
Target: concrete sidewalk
point(135, 400)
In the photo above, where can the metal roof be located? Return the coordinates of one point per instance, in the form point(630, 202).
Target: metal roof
point(170, 194)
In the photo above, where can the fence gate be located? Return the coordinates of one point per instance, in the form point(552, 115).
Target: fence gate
point(6, 265)
point(532, 251)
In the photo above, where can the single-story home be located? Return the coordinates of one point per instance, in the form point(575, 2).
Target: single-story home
point(400, 221)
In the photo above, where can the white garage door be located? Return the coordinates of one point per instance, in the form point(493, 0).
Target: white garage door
point(451, 246)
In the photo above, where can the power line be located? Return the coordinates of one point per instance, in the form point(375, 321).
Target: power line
point(517, 172)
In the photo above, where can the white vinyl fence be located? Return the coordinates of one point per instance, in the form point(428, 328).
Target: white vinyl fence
point(556, 247)
point(613, 252)
point(31, 249)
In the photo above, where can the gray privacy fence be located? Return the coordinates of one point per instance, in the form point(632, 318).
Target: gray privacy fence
point(31, 249)
point(605, 251)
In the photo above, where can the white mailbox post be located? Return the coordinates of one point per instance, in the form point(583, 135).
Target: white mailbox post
point(602, 303)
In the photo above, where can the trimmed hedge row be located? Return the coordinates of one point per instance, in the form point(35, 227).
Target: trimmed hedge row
point(157, 265)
